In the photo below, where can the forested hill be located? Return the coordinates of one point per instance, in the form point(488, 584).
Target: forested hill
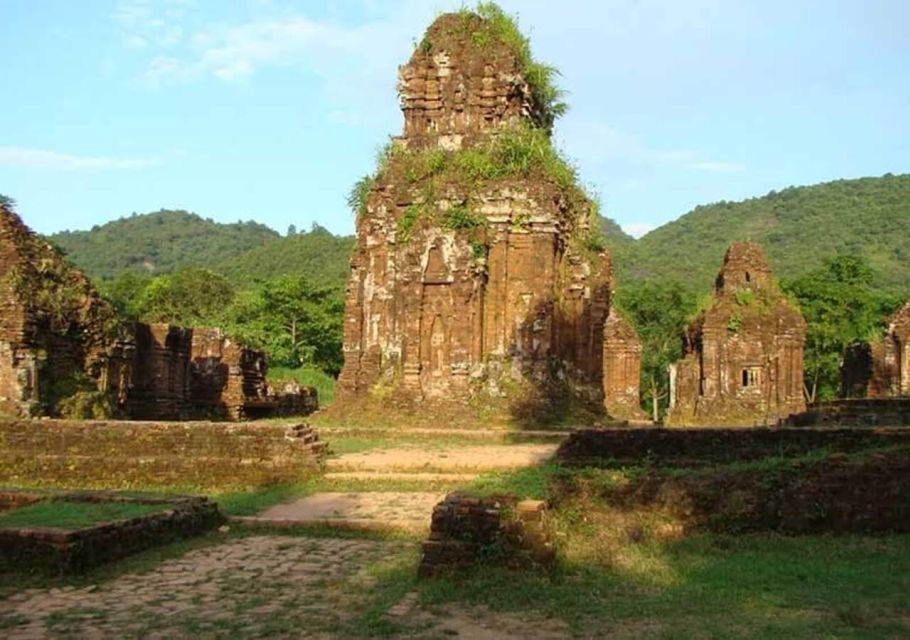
point(322, 257)
point(798, 227)
point(159, 243)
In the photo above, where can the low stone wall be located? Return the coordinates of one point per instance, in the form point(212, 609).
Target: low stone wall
point(56, 550)
point(115, 455)
point(467, 531)
point(862, 492)
point(855, 412)
point(695, 447)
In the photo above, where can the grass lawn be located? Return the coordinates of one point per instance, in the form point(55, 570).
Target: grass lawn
point(73, 515)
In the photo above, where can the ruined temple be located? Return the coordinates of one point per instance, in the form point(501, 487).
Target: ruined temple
point(476, 268)
point(743, 357)
point(880, 368)
point(65, 352)
point(56, 332)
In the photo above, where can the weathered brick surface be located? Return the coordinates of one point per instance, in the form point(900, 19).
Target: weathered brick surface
point(516, 303)
point(67, 551)
point(468, 531)
point(743, 359)
point(700, 447)
point(880, 368)
point(138, 454)
point(863, 492)
point(64, 351)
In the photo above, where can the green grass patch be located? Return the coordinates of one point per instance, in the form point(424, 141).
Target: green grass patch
point(74, 515)
point(307, 376)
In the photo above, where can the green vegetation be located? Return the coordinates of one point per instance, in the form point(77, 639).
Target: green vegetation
point(842, 305)
point(799, 228)
point(308, 376)
point(659, 311)
point(74, 515)
point(7, 202)
point(159, 243)
point(497, 28)
point(319, 255)
point(294, 322)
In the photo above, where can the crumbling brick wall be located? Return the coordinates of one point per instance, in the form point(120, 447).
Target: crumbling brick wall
point(65, 352)
point(55, 330)
point(114, 455)
point(621, 369)
point(743, 357)
point(467, 531)
point(880, 368)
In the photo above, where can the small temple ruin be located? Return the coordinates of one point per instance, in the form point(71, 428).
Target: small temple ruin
point(743, 357)
point(880, 368)
point(470, 276)
point(65, 352)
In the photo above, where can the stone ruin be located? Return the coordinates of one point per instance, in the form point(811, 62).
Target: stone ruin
point(743, 357)
point(65, 352)
point(880, 368)
point(464, 284)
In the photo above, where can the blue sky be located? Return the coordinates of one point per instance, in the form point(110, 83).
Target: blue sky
point(270, 109)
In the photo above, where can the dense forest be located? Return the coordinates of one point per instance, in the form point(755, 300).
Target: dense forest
point(799, 228)
point(841, 250)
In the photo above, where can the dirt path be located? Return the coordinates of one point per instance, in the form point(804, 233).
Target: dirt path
point(450, 458)
point(405, 510)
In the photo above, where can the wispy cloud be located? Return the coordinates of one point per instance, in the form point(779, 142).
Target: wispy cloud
point(147, 23)
point(602, 142)
point(21, 157)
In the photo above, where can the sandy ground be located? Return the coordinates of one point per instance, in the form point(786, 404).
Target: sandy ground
point(445, 459)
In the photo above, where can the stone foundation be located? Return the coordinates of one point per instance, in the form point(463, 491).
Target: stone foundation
point(705, 447)
point(130, 454)
point(863, 492)
point(66, 551)
point(467, 531)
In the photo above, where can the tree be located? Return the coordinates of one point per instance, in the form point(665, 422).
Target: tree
point(659, 312)
point(295, 322)
point(841, 305)
point(7, 202)
point(191, 297)
point(126, 292)
point(292, 230)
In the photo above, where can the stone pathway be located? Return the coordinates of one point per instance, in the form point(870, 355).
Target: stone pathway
point(259, 586)
point(381, 510)
point(249, 587)
point(416, 465)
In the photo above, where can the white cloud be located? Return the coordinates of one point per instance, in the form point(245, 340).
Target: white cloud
point(20, 157)
point(637, 229)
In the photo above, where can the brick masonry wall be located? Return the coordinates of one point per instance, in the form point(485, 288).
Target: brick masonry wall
point(696, 447)
point(859, 493)
point(66, 551)
point(148, 454)
point(467, 531)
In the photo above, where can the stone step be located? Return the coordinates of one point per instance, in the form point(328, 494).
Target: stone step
point(454, 459)
point(495, 435)
point(429, 477)
point(378, 511)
